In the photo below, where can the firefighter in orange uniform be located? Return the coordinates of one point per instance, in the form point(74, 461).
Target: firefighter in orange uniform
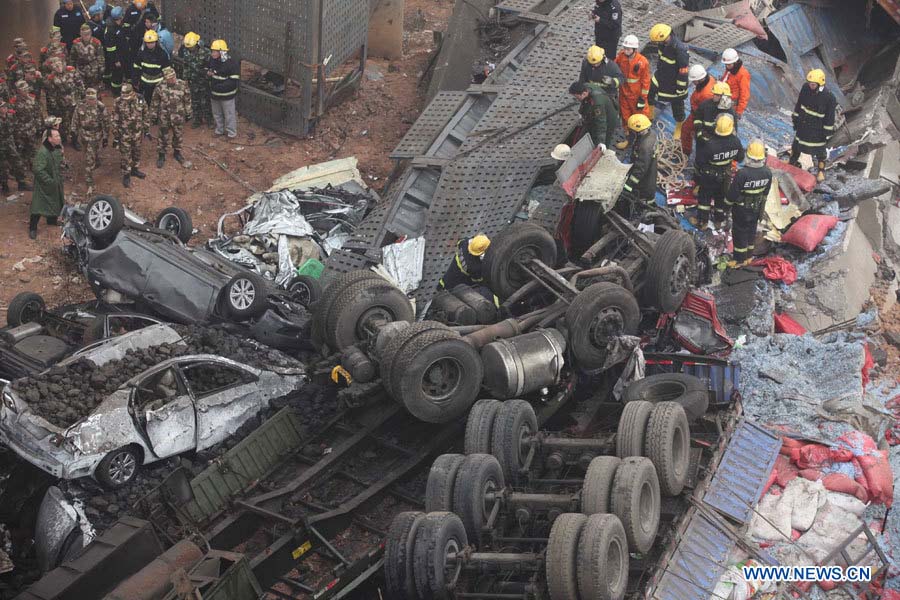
point(633, 94)
point(738, 79)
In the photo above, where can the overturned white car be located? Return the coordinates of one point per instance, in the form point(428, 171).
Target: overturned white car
point(187, 402)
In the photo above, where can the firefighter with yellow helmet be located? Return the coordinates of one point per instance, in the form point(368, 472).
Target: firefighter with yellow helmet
point(813, 121)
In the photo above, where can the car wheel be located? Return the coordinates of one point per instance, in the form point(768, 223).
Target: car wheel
point(600, 312)
point(245, 296)
point(518, 243)
point(304, 290)
point(118, 468)
point(670, 271)
point(104, 217)
point(24, 308)
point(177, 222)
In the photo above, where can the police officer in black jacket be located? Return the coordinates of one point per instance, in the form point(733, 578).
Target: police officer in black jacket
point(607, 18)
point(115, 50)
point(69, 20)
point(813, 121)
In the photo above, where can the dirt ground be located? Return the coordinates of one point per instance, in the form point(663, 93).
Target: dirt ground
point(367, 126)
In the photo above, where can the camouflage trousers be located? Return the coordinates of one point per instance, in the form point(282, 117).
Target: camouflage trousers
point(27, 147)
point(91, 144)
point(130, 151)
point(10, 161)
point(65, 113)
point(162, 140)
point(92, 76)
point(201, 104)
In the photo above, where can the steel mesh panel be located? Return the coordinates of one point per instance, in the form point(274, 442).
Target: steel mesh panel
point(212, 19)
point(271, 111)
point(368, 232)
point(345, 27)
point(550, 199)
point(429, 124)
point(724, 36)
point(343, 261)
point(518, 6)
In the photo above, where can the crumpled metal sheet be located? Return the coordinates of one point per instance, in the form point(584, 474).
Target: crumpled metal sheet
point(278, 213)
point(403, 261)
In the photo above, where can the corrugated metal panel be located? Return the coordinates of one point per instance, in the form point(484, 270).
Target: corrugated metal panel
point(743, 471)
point(720, 376)
point(697, 563)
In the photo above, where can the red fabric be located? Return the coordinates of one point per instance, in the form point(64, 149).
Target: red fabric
point(806, 181)
point(742, 16)
point(785, 470)
point(868, 363)
point(636, 86)
point(836, 482)
point(777, 268)
point(684, 196)
point(785, 324)
point(773, 477)
point(787, 444)
point(698, 97)
point(879, 478)
point(817, 455)
point(891, 595)
point(565, 223)
point(808, 231)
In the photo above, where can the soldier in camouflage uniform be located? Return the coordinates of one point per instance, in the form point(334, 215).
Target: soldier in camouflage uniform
point(66, 88)
point(194, 56)
point(91, 125)
point(171, 107)
point(35, 81)
point(27, 122)
point(130, 123)
point(53, 49)
point(19, 46)
point(16, 71)
point(10, 161)
point(86, 55)
point(4, 89)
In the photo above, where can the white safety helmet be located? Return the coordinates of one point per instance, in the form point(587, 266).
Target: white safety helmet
point(630, 41)
point(730, 56)
point(561, 152)
point(696, 73)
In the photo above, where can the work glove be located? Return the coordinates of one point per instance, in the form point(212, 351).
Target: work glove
point(641, 103)
point(602, 147)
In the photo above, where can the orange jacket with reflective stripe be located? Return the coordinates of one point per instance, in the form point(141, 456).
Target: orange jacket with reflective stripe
point(637, 76)
point(740, 88)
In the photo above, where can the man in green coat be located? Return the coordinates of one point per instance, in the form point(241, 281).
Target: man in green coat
point(599, 115)
point(47, 198)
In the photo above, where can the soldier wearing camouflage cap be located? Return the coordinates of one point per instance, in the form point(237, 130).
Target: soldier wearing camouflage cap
point(27, 120)
point(66, 89)
point(86, 55)
point(10, 161)
point(130, 123)
point(171, 107)
point(91, 126)
point(194, 56)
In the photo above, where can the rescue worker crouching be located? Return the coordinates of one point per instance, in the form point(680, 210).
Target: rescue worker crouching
point(712, 170)
point(633, 94)
point(747, 198)
point(640, 186)
point(670, 81)
point(466, 267)
point(813, 119)
point(599, 116)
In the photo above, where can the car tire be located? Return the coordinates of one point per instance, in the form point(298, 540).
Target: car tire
point(304, 290)
point(398, 555)
point(479, 474)
point(599, 312)
point(397, 342)
point(24, 308)
point(176, 221)
point(331, 291)
point(480, 425)
point(514, 421)
point(118, 468)
point(245, 296)
point(104, 218)
point(438, 534)
point(562, 556)
point(688, 391)
point(437, 378)
point(668, 446)
point(632, 429)
point(519, 241)
point(670, 271)
point(586, 219)
point(356, 305)
point(441, 481)
point(636, 501)
point(603, 559)
point(598, 484)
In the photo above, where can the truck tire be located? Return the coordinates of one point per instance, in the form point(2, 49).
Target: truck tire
point(598, 484)
point(603, 310)
point(514, 422)
point(602, 559)
point(518, 242)
point(245, 297)
point(636, 501)
point(441, 482)
point(398, 555)
point(176, 221)
point(632, 428)
point(562, 556)
point(25, 307)
point(480, 425)
point(397, 341)
point(670, 271)
point(118, 468)
point(358, 306)
point(332, 290)
point(304, 290)
point(437, 378)
point(479, 474)
point(668, 446)
point(104, 218)
point(439, 534)
point(688, 391)
point(586, 220)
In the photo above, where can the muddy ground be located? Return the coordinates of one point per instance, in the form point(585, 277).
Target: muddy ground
point(367, 126)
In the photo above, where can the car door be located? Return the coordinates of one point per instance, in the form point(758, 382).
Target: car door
point(225, 395)
point(166, 411)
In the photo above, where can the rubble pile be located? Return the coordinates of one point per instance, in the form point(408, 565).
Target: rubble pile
point(62, 395)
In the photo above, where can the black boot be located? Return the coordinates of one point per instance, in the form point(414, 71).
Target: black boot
point(138, 173)
point(32, 226)
point(23, 186)
point(160, 160)
point(179, 157)
point(794, 159)
point(32, 233)
point(126, 180)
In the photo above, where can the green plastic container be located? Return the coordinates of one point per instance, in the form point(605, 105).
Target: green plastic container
point(311, 267)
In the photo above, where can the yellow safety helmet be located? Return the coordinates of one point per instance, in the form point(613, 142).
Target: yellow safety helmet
point(756, 150)
point(478, 245)
point(724, 125)
point(660, 32)
point(191, 39)
point(816, 76)
point(151, 36)
point(638, 122)
point(140, 4)
point(721, 88)
point(219, 45)
point(595, 55)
